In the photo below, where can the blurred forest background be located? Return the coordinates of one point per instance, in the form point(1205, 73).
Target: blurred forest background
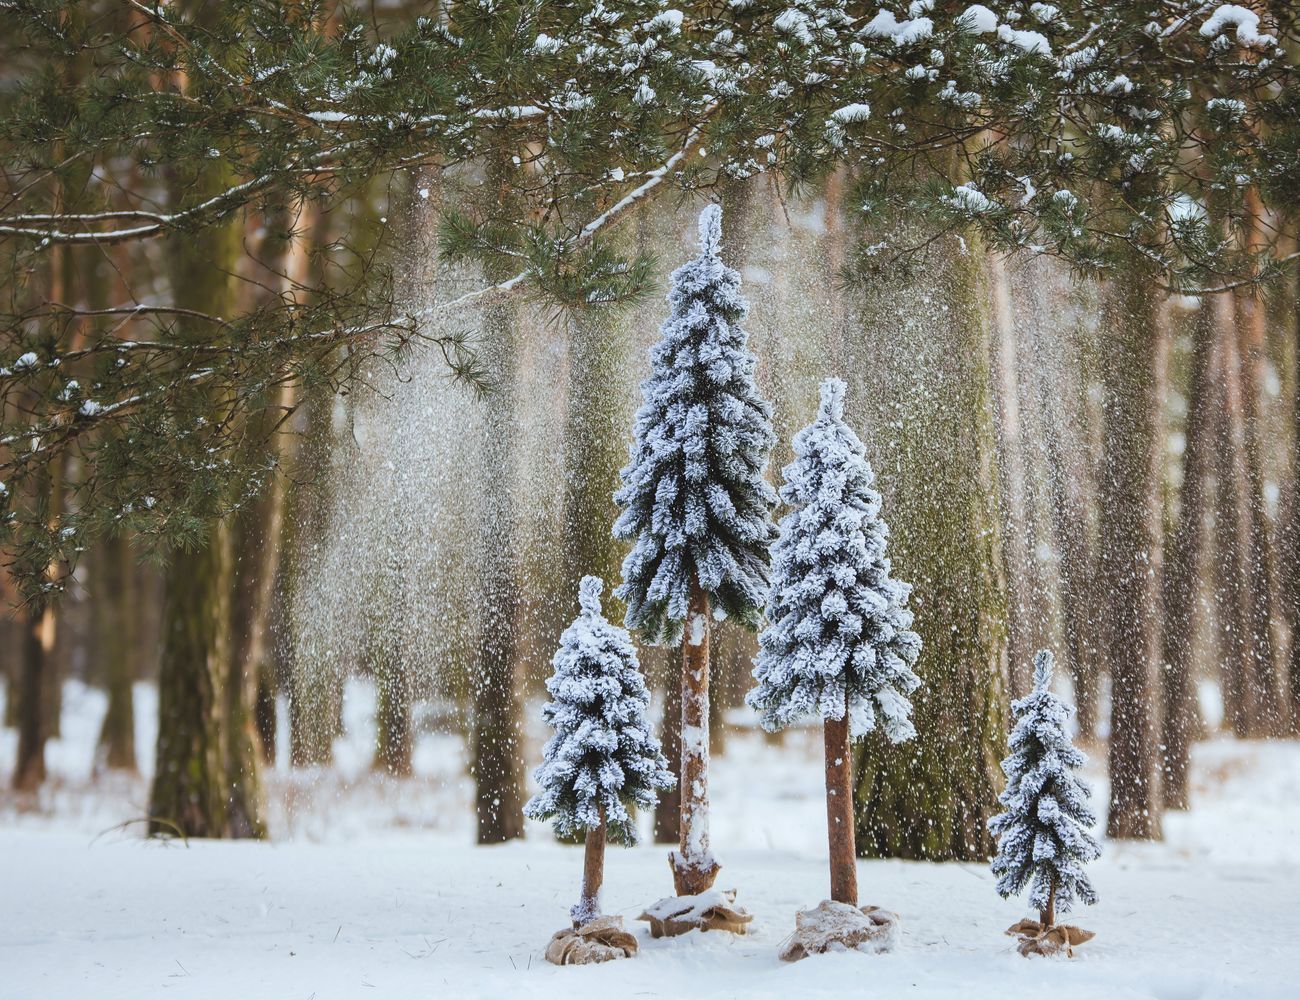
point(1093, 465)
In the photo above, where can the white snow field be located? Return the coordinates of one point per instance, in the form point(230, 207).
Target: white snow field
point(373, 889)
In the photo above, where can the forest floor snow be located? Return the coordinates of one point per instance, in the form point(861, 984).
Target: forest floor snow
point(371, 888)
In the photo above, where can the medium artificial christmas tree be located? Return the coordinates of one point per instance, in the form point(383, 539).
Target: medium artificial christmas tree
point(697, 508)
point(1043, 835)
point(838, 643)
point(604, 760)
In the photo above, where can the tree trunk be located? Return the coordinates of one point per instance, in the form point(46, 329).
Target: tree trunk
point(206, 780)
point(314, 688)
point(497, 753)
point(1047, 917)
point(1241, 703)
point(38, 672)
point(1025, 587)
point(33, 719)
point(392, 721)
point(668, 810)
point(593, 874)
point(1182, 569)
point(113, 604)
point(1260, 577)
point(692, 863)
point(1293, 533)
point(1130, 534)
point(935, 453)
point(839, 810)
point(191, 776)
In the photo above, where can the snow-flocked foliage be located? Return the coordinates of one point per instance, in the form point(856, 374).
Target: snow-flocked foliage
point(695, 503)
point(604, 754)
point(839, 632)
point(1044, 832)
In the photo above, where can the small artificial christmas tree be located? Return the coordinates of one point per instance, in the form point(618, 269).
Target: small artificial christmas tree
point(697, 508)
point(838, 643)
point(604, 760)
point(1043, 834)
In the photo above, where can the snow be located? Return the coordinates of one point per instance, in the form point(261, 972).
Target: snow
point(851, 113)
point(372, 888)
point(979, 20)
point(1030, 41)
point(1231, 15)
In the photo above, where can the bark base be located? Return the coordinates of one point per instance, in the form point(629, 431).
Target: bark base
point(692, 878)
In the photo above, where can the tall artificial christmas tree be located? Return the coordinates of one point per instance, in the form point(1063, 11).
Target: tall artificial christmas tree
point(604, 760)
point(838, 643)
point(697, 508)
point(1043, 835)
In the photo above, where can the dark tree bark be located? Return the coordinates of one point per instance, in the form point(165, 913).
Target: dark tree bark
point(1241, 696)
point(497, 752)
point(935, 453)
point(314, 691)
point(189, 795)
point(1263, 664)
point(1292, 580)
point(1130, 551)
point(393, 737)
point(33, 719)
point(1182, 568)
point(206, 780)
point(693, 866)
point(113, 603)
point(1025, 586)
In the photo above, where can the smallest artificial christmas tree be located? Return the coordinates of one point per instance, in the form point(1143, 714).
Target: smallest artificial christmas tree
point(602, 763)
point(1043, 835)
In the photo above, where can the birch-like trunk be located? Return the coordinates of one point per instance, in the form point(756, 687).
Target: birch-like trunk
point(693, 866)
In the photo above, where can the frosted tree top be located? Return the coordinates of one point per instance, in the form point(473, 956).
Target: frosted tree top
point(695, 503)
point(839, 638)
point(604, 760)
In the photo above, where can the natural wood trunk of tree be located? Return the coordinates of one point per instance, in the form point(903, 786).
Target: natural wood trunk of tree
point(839, 810)
point(113, 604)
point(497, 750)
point(1181, 720)
point(314, 689)
point(668, 810)
point(38, 671)
point(934, 450)
point(191, 778)
point(1232, 521)
point(1129, 558)
point(693, 866)
point(1047, 917)
point(1250, 323)
point(1292, 578)
point(393, 737)
point(1026, 589)
point(34, 674)
point(593, 874)
point(206, 779)
point(594, 449)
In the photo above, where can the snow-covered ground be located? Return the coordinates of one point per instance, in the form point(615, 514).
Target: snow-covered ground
point(373, 888)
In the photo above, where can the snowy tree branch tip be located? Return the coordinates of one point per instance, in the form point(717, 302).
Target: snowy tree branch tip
point(589, 591)
point(711, 230)
point(832, 398)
